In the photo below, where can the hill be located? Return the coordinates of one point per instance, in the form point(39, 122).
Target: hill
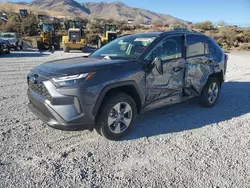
point(115, 10)
point(120, 11)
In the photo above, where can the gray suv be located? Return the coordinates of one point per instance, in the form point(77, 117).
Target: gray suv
point(131, 74)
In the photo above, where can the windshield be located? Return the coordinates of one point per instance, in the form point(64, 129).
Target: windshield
point(8, 35)
point(48, 28)
point(127, 47)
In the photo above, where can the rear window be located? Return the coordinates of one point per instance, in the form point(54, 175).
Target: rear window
point(195, 45)
point(210, 48)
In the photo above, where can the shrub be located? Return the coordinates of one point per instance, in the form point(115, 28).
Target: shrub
point(29, 26)
point(207, 25)
point(25, 26)
point(245, 46)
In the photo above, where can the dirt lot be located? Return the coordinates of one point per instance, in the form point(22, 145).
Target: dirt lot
point(179, 146)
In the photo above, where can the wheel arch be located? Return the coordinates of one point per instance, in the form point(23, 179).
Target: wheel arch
point(128, 87)
point(219, 76)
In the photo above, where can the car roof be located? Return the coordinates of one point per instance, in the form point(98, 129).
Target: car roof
point(146, 34)
point(165, 34)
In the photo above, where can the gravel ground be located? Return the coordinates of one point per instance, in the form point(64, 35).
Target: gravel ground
point(180, 146)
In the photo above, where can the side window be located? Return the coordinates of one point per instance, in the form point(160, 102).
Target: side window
point(210, 48)
point(195, 45)
point(171, 48)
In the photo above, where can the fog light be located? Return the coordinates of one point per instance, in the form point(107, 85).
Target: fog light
point(77, 105)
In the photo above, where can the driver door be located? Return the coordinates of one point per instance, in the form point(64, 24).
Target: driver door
point(166, 88)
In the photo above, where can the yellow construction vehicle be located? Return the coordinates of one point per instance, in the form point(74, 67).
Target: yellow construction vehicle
point(23, 13)
point(109, 33)
point(75, 39)
point(48, 39)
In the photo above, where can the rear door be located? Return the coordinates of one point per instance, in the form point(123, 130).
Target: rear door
point(199, 64)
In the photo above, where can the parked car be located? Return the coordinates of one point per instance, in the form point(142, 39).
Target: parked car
point(4, 46)
point(14, 39)
point(131, 74)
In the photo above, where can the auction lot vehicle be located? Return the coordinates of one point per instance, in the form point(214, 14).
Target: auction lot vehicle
point(4, 46)
point(14, 39)
point(131, 74)
point(108, 34)
point(75, 39)
point(48, 37)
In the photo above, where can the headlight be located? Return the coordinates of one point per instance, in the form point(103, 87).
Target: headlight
point(72, 79)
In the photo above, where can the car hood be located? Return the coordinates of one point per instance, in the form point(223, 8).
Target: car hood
point(2, 41)
point(11, 40)
point(72, 66)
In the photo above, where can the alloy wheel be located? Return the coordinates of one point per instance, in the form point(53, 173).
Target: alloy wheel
point(213, 92)
point(120, 117)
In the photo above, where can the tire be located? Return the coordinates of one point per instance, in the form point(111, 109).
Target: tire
point(57, 47)
point(84, 48)
point(66, 49)
point(99, 44)
point(40, 46)
point(210, 93)
point(8, 51)
point(21, 47)
point(47, 46)
point(16, 48)
point(1, 49)
point(112, 125)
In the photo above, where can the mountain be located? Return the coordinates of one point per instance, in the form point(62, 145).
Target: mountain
point(115, 10)
point(69, 7)
point(120, 11)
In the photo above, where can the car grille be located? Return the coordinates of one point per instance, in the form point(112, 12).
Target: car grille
point(40, 89)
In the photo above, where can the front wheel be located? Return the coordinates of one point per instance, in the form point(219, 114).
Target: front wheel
point(210, 93)
point(117, 116)
point(8, 51)
point(16, 47)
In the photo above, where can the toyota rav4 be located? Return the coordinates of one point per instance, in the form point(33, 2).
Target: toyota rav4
point(129, 75)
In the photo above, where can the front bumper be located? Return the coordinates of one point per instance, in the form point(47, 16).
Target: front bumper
point(5, 47)
point(76, 45)
point(12, 45)
point(59, 116)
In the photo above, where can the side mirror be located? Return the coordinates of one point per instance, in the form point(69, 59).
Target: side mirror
point(158, 64)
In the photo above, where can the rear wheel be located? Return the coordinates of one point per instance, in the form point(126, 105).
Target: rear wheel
point(210, 93)
point(40, 45)
point(21, 46)
point(117, 116)
point(84, 48)
point(47, 46)
point(7, 51)
point(66, 49)
point(16, 47)
point(57, 46)
point(99, 44)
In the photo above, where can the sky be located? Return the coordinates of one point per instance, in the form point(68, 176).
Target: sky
point(231, 11)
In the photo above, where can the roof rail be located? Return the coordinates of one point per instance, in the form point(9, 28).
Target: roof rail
point(183, 29)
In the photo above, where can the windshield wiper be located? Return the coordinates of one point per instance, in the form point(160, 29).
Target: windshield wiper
point(106, 58)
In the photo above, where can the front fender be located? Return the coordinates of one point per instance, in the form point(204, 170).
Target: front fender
point(113, 86)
